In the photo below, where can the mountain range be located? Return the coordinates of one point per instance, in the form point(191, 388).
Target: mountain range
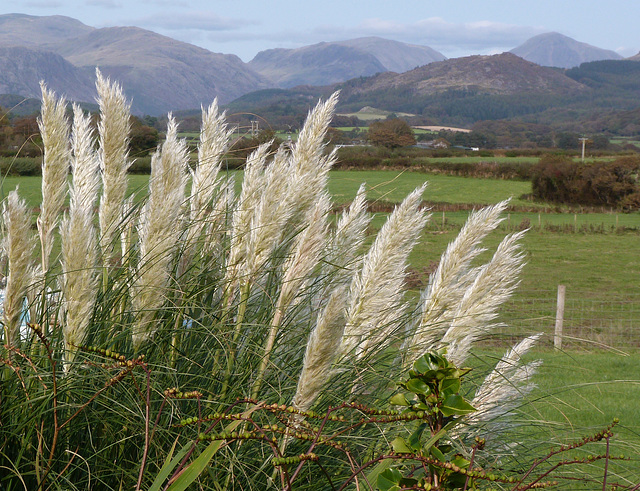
point(330, 63)
point(161, 74)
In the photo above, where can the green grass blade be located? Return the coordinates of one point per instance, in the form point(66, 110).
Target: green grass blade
point(194, 470)
point(169, 465)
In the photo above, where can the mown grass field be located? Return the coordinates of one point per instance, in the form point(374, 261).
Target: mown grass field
point(589, 252)
point(577, 395)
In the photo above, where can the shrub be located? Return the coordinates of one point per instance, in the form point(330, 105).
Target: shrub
point(560, 180)
point(20, 166)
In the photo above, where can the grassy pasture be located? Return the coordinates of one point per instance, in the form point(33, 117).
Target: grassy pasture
point(578, 394)
point(625, 141)
point(590, 252)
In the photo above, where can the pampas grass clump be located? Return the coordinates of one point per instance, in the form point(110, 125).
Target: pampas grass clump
point(258, 294)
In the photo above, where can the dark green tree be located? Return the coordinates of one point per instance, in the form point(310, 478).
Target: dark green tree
point(143, 139)
point(392, 133)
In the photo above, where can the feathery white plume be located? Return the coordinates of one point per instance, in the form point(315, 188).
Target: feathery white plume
point(376, 293)
point(448, 284)
point(298, 266)
point(504, 388)
point(19, 247)
point(214, 141)
point(347, 240)
point(79, 243)
point(159, 230)
point(114, 128)
point(493, 285)
point(322, 350)
point(54, 129)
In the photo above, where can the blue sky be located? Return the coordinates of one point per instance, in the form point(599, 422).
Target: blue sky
point(453, 27)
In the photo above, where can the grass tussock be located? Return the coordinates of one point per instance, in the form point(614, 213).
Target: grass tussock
point(191, 305)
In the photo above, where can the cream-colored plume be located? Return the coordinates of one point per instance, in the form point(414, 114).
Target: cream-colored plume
point(504, 388)
point(78, 234)
point(114, 128)
point(450, 281)
point(19, 245)
point(376, 292)
point(494, 283)
point(54, 129)
point(159, 231)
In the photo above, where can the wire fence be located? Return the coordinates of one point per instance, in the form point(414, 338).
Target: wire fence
point(583, 323)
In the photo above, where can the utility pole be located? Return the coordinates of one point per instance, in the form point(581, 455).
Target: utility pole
point(584, 142)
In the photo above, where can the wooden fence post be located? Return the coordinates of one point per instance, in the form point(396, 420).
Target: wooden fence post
point(557, 337)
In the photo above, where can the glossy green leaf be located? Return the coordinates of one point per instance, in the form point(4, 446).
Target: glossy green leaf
point(379, 468)
point(399, 400)
point(423, 364)
point(414, 440)
point(450, 386)
point(400, 446)
point(460, 461)
point(418, 386)
point(455, 404)
point(389, 480)
point(437, 454)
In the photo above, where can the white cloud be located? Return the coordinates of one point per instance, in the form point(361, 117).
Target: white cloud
point(44, 4)
point(481, 36)
point(204, 21)
point(106, 4)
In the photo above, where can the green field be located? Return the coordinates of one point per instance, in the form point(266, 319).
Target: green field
point(577, 395)
point(593, 254)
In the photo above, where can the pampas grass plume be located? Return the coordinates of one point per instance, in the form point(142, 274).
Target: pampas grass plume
point(114, 128)
point(79, 243)
point(159, 230)
point(19, 247)
point(54, 129)
point(376, 292)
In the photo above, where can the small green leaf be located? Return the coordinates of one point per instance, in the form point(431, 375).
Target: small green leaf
point(389, 480)
point(399, 400)
point(423, 364)
point(418, 386)
point(379, 468)
point(437, 454)
point(455, 404)
point(414, 439)
point(450, 386)
point(460, 461)
point(400, 446)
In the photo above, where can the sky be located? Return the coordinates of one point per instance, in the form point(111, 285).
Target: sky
point(453, 27)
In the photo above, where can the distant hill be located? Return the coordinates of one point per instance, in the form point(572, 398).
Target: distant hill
point(160, 74)
point(556, 50)
point(329, 63)
point(396, 56)
point(634, 57)
point(497, 74)
point(34, 31)
point(18, 105)
point(21, 70)
point(454, 92)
